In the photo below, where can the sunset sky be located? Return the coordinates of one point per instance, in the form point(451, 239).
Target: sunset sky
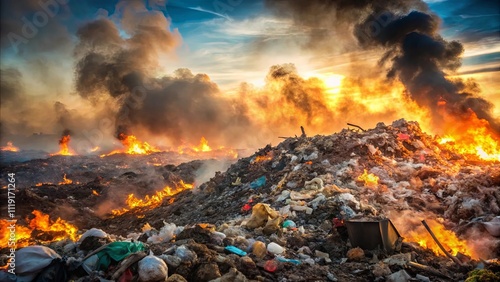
point(231, 41)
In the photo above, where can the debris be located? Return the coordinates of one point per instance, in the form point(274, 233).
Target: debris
point(355, 254)
point(275, 248)
point(479, 275)
point(29, 261)
point(454, 259)
point(289, 224)
point(381, 269)
point(428, 269)
point(152, 269)
point(271, 265)
point(493, 226)
point(259, 249)
point(236, 250)
point(400, 276)
point(314, 184)
point(259, 182)
point(371, 234)
point(261, 213)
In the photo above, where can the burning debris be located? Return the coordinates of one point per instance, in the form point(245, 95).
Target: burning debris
point(133, 146)
point(284, 210)
point(65, 150)
point(9, 147)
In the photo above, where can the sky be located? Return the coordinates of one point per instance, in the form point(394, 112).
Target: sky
point(231, 41)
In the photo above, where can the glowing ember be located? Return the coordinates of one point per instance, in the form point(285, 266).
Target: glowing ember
point(151, 201)
point(65, 180)
point(133, 146)
point(474, 139)
point(204, 148)
point(446, 237)
point(64, 147)
point(59, 229)
point(95, 149)
point(10, 147)
point(266, 157)
point(370, 180)
point(94, 192)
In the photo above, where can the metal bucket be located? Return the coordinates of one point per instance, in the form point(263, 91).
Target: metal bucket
point(373, 235)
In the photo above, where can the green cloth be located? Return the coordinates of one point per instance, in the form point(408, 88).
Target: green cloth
point(116, 252)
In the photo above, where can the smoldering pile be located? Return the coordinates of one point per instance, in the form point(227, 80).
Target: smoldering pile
point(279, 213)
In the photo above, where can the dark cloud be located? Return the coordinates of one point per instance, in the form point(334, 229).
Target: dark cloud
point(417, 54)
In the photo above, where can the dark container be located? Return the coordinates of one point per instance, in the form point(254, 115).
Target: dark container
point(373, 235)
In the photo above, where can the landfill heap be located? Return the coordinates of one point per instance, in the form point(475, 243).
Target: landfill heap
point(284, 214)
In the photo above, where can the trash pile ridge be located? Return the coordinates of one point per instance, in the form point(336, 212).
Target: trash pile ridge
point(353, 206)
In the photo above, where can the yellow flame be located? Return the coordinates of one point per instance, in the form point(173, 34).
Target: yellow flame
point(133, 146)
point(370, 180)
point(151, 201)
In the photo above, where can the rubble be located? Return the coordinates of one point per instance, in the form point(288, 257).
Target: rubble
point(282, 217)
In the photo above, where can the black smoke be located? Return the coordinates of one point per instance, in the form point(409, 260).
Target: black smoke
point(415, 52)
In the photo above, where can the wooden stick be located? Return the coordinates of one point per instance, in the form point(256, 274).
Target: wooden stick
point(357, 126)
point(454, 259)
point(428, 269)
point(303, 132)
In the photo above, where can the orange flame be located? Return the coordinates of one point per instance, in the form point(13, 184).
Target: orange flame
point(10, 147)
point(151, 201)
point(446, 237)
point(266, 157)
point(65, 180)
point(370, 180)
point(203, 147)
point(94, 192)
point(133, 146)
point(60, 230)
point(474, 139)
point(64, 147)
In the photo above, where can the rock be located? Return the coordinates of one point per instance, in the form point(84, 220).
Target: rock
point(275, 248)
point(422, 278)
point(176, 278)
point(355, 254)
point(207, 272)
point(232, 276)
point(152, 269)
point(248, 267)
point(400, 276)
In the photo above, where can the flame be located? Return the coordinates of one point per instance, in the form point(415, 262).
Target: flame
point(203, 147)
point(151, 201)
point(63, 147)
point(370, 179)
point(10, 147)
point(60, 230)
point(65, 180)
point(94, 192)
point(133, 146)
point(446, 237)
point(266, 157)
point(94, 149)
point(473, 138)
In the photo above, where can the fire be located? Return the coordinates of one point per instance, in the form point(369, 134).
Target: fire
point(370, 180)
point(266, 157)
point(59, 230)
point(64, 147)
point(65, 180)
point(95, 149)
point(94, 192)
point(133, 146)
point(474, 139)
point(446, 237)
point(151, 201)
point(203, 147)
point(10, 147)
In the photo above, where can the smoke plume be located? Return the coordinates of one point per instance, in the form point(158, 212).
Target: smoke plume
point(417, 55)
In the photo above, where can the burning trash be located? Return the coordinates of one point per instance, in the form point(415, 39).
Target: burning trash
point(9, 147)
point(65, 150)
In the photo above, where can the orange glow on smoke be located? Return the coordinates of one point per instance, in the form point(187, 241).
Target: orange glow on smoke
point(151, 201)
point(473, 138)
point(59, 230)
point(370, 179)
point(64, 147)
point(133, 146)
point(446, 237)
point(10, 147)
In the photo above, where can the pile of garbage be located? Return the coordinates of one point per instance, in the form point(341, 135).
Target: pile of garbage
point(325, 208)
